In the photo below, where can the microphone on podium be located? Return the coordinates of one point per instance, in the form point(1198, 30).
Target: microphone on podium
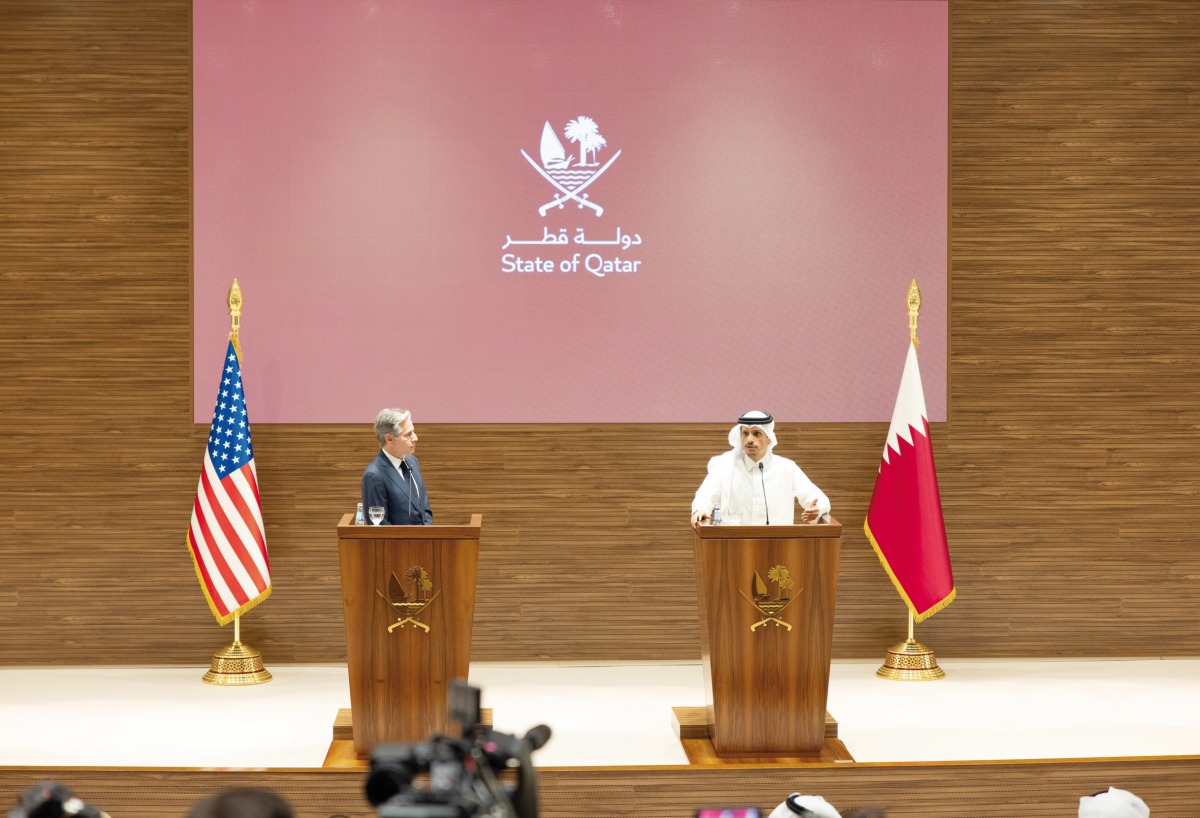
point(762, 478)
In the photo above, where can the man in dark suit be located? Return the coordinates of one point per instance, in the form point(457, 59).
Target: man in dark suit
point(393, 478)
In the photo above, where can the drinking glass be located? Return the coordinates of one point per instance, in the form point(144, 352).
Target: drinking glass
point(376, 514)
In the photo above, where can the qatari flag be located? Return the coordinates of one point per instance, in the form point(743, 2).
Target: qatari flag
point(904, 521)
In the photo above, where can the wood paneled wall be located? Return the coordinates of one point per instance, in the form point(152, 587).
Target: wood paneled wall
point(1170, 786)
point(1068, 467)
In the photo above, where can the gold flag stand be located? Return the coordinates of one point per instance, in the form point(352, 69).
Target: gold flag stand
point(910, 661)
point(236, 664)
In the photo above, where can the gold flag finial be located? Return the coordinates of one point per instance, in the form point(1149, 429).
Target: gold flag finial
point(235, 314)
point(914, 309)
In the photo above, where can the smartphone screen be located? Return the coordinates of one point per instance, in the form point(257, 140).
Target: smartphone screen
point(727, 812)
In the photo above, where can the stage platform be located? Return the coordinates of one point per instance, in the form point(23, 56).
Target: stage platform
point(1033, 733)
point(605, 715)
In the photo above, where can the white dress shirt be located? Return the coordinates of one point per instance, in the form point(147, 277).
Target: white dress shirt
point(412, 484)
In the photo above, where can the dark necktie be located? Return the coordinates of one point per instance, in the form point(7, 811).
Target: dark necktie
point(413, 505)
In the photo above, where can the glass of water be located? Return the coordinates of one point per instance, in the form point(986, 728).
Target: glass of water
point(376, 514)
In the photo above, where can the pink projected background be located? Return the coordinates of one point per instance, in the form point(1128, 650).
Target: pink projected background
point(748, 188)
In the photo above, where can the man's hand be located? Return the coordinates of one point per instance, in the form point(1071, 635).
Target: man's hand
point(699, 517)
point(810, 512)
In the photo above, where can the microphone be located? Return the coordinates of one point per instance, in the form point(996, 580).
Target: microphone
point(764, 487)
point(414, 511)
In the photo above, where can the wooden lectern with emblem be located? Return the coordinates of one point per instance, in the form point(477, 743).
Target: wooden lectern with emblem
point(766, 596)
point(408, 595)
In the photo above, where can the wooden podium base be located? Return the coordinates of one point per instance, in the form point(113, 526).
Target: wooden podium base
point(691, 726)
point(341, 749)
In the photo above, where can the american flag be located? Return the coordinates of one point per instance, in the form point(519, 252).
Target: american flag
point(227, 538)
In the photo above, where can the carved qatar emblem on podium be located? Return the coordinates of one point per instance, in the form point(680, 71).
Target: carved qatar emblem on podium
point(568, 177)
point(406, 607)
point(771, 606)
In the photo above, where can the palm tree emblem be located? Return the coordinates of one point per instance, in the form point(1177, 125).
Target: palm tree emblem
point(782, 578)
point(771, 606)
point(557, 168)
point(409, 607)
point(584, 130)
point(419, 577)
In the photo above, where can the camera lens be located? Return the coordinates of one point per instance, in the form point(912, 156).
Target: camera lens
point(388, 778)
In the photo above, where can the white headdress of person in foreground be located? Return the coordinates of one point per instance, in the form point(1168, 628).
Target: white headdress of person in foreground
point(1113, 804)
point(805, 806)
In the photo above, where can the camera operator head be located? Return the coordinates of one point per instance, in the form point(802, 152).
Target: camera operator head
point(242, 803)
point(50, 799)
point(463, 781)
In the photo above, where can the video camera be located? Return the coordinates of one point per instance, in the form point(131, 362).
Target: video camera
point(463, 773)
point(50, 799)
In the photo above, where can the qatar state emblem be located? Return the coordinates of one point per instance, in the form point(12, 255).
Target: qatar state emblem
point(407, 607)
point(771, 606)
point(568, 177)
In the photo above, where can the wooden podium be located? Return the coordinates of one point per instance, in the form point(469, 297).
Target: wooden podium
point(408, 594)
point(767, 596)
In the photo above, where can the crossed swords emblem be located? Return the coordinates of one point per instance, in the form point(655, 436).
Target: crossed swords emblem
point(405, 607)
point(570, 195)
point(764, 604)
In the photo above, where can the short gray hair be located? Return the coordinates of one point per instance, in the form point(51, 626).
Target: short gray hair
point(388, 422)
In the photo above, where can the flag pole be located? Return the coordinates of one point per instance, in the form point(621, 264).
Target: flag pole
point(236, 664)
point(910, 661)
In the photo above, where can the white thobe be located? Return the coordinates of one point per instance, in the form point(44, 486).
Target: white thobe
point(752, 495)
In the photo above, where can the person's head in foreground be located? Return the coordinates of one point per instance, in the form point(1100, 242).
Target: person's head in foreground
point(1113, 804)
point(242, 803)
point(805, 806)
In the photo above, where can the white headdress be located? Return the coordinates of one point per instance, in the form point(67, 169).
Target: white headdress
point(754, 418)
point(797, 804)
point(1113, 804)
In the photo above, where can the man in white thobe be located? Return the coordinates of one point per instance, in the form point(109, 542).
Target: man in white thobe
point(753, 485)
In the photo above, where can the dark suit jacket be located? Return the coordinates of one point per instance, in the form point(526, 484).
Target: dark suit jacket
point(383, 485)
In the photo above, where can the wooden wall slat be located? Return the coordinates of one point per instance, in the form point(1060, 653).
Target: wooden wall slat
point(978, 789)
point(1067, 468)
